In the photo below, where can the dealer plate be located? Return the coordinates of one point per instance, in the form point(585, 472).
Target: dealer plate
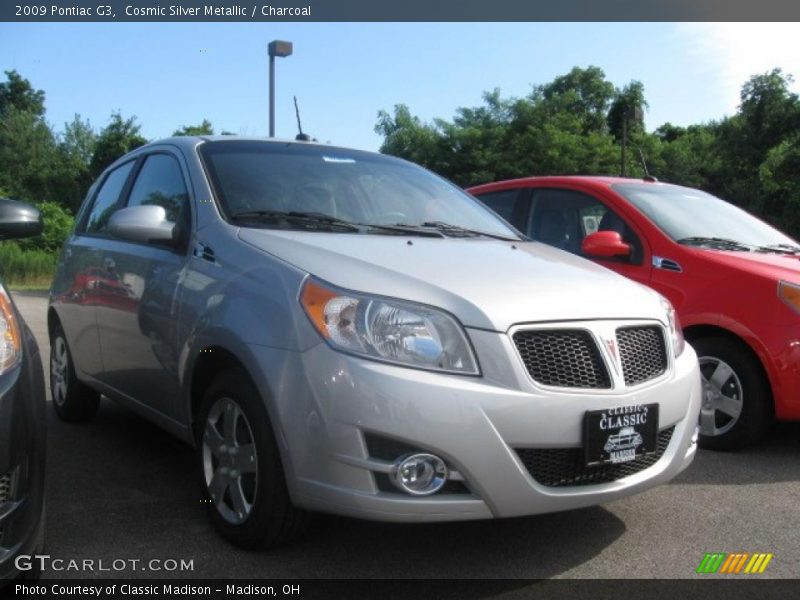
point(618, 435)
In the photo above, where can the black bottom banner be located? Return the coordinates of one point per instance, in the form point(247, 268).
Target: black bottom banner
point(219, 589)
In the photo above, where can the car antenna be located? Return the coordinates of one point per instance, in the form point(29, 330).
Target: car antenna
point(647, 176)
point(300, 137)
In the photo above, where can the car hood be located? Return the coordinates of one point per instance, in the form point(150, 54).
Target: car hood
point(487, 284)
point(768, 264)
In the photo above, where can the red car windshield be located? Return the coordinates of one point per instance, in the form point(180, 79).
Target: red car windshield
point(693, 217)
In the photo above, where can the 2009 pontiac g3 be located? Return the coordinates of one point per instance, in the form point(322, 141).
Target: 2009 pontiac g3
point(342, 331)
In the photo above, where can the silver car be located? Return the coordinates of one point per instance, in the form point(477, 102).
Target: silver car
point(342, 331)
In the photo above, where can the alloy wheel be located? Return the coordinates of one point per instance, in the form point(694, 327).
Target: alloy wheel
point(230, 462)
point(723, 397)
point(59, 361)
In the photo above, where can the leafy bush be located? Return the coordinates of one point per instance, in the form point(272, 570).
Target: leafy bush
point(58, 223)
point(25, 267)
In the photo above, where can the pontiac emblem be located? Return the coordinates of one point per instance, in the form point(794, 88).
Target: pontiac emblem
point(612, 350)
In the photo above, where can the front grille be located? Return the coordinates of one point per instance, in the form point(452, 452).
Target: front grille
point(562, 357)
point(562, 467)
point(642, 352)
point(5, 488)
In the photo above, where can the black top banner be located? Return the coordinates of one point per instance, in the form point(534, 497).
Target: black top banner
point(402, 10)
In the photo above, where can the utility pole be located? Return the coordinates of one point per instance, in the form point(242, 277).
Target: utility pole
point(629, 113)
point(624, 156)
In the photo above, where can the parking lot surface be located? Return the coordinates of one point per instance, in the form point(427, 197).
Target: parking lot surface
point(120, 488)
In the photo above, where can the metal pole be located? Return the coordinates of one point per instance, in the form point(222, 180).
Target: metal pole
point(271, 96)
point(623, 159)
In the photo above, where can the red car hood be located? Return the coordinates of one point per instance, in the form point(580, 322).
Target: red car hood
point(769, 264)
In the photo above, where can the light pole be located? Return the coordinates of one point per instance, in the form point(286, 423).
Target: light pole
point(634, 113)
point(282, 49)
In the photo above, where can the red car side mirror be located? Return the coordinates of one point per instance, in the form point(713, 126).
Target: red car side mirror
point(605, 244)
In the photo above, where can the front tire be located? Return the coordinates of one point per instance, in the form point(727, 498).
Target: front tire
point(240, 467)
point(737, 402)
point(73, 400)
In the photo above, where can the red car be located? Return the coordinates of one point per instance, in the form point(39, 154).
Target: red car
point(733, 279)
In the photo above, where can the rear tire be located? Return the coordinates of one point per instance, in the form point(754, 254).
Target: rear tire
point(73, 400)
point(737, 402)
point(240, 467)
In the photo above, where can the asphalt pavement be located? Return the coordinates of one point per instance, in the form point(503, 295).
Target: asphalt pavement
point(119, 488)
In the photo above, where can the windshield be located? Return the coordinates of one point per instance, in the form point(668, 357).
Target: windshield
point(251, 177)
point(691, 216)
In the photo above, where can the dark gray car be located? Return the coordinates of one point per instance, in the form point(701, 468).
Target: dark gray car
point(22, 415)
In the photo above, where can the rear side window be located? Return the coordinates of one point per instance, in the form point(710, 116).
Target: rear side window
point(503, 203)
point(105, 203)
point(160, 182)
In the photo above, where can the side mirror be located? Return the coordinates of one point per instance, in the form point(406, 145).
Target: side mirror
point(605, 244)
point(18, 220)
point(146, 223)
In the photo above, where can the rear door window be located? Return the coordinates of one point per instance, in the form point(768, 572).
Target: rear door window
point(504, 203)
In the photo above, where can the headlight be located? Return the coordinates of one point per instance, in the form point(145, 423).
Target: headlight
point(790, 294)
point(10, 340)
point(675, 331)
point(389, 330)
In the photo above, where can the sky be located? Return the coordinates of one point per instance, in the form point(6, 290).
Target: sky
point(173, 74)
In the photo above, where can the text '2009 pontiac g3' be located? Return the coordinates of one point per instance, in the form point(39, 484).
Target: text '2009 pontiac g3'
point(342, 331)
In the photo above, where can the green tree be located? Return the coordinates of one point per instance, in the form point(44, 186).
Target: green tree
point(17, 93)
point(117, 138)
point(406, 136)
point(628, 103)
point(688, 155)
point(76, 147)
point(204, 128)
point(28, 156)
point(778, 176)
point(586, 93)
point(27, 144)
point(560, 128)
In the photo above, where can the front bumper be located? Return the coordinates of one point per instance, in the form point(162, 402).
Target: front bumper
point(22, 449)
point(325, 402)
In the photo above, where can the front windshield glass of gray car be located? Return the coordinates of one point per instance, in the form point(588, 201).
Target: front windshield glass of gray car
point(693, 217)
point(259, 181)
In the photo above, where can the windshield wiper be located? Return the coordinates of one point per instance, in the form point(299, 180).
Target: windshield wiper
point(458, 231)
point(717, 242)
point(780, 248)
point(315, 218)
point(309, 218)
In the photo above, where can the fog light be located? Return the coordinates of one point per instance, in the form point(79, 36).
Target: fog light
point(420, 474)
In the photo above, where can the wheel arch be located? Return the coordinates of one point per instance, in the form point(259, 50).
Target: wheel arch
point(53, 320)
point(748, 342)
point(211, 360)
point(210, 357)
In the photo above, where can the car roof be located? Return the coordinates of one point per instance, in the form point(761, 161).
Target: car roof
point(543, 180)
point(190, 141)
